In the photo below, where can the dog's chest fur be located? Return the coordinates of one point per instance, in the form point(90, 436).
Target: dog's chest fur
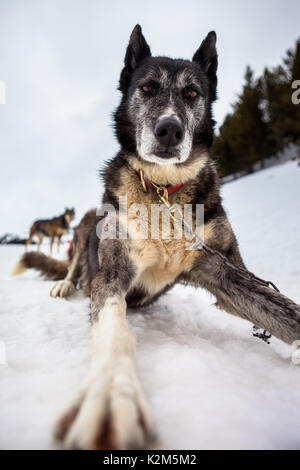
point(160, 261)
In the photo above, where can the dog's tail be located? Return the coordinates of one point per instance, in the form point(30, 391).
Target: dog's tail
point(49, 267)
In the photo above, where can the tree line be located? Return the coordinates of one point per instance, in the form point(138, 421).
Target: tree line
point(264, 119)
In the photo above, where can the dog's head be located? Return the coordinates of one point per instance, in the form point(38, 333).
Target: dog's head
point(165, 111)
point(69, 214)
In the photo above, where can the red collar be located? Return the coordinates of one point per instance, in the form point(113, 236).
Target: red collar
point(170, 187)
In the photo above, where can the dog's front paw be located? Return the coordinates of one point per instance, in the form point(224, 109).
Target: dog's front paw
point(110, 415)
point(62, 289)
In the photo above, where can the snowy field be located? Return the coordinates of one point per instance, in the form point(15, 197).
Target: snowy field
point(211, 385)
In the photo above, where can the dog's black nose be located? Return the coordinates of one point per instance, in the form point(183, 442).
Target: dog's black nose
point(169, 132)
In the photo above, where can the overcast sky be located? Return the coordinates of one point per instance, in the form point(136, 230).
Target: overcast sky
point(61, 59)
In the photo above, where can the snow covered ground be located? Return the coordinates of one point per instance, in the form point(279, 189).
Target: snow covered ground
point(211, 385)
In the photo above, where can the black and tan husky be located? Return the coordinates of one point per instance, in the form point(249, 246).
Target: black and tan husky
point(53, 228)
point(165, 129)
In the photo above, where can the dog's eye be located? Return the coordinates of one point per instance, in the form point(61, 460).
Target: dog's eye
point(150, 88)
point(146, 88)
point(191, 93)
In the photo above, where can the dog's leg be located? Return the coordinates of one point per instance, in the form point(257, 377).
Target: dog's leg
point(78, 269)
point(260, 305)
point(67, 286)
point(51, 244)
point(28, 241)
point(40, 241)
point(58, 242)
point(111, 411)
point(31, 235)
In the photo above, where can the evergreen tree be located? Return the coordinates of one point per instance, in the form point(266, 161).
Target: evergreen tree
point(283, 116)
point(242, 138)
point(263, 120)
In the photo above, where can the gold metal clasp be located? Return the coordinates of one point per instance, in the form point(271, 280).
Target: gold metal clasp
point(145, 189)
point(163, 195)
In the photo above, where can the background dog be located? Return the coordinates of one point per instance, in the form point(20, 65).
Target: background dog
point(53, 228)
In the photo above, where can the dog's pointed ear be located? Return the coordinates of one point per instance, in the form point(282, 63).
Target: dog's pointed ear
point(137, 51)
point(206, 56)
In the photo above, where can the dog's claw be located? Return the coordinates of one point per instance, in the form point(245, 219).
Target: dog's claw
point(106, 419)
point(62, 289)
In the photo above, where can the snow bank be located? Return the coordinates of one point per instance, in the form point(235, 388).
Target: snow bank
point(211, 385)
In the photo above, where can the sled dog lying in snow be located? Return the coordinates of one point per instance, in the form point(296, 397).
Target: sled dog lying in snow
point(165, 128)
point(53, 228)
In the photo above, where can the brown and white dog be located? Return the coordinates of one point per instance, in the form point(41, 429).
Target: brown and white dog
point(165, 129)
point(53, 228)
